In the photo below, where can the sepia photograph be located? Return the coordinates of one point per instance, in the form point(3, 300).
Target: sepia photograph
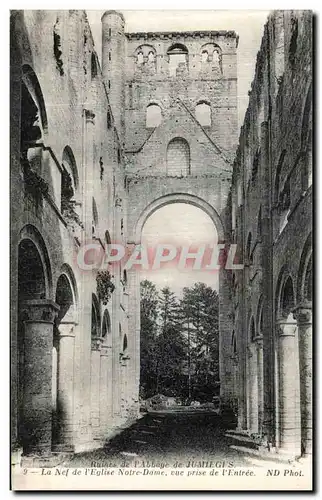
point(161, 250)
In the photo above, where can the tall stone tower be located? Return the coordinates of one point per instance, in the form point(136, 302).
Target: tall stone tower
point(113, 61)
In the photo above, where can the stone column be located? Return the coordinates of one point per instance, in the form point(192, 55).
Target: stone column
point(288, 379)
point(260, 382)
point(65, 392)
point(38, 317)
point(303, 314)
point(134, 336)
point(95, 385)
point(252, 390)
point(105, 391)
point(124, 386)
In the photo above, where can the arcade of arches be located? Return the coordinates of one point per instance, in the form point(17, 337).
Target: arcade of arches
point(77, 176)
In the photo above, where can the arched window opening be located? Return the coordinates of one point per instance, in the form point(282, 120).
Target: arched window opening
point(69, 185)
point(249, 255)
point(277, 178)
point(284, 205)
point(204, 56)
point(93, 66)
point(30, 131)
point(293, 42)
point(178, 59)
point(178, 157)
point(233, 215)
point(65, 300)
point(31, 84)
point(107, 238)
point(95, 319)
point(216, 58)
point(252, 330)
point(259, 224)
point(106, 327)
point(140, 58)
point(260, 317)
point(94, 216)
point(234, 343)
point(203, 114)
point(256, 162)
point(308, 281)
point(153, 116)
point(125, 343)
point(108, 120)
point(151, 57)
point(31, 277)
point(211, 57)
point(287, 298)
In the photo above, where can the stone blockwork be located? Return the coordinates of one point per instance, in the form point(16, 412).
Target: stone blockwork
point(94, 152)
point(67, 188)
point(177, 105)
point(271, 220)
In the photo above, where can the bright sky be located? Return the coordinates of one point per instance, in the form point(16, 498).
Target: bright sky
point(183, 224)
point(189, 226)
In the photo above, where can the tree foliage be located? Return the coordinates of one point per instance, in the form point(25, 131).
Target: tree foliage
point(179, 342)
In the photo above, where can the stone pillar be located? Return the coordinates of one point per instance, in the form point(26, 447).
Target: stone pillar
point(288, 379)
point(260, 383)
point(252, 391)
point(82, 392)
point(134, 336)
point(105, 391)
point(95, 385)
point(38, 317)
point(124, 386)
point(303, 314)
point(65, 390)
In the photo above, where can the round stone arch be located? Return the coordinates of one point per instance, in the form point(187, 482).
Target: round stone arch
point(285, 294)
point(259, 317)
point(304, 280)
point(31, 233)
point(179, 198)
point(225, 321)
point(30, 80)
point(66, 274)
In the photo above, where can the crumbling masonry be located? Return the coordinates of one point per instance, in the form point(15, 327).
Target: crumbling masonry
point(94, 152)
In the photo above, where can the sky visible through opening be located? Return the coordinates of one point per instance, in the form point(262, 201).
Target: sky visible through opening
point(179, 224)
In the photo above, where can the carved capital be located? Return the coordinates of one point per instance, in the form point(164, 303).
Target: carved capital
point(96, 343)
point(303, 314)
point(286, 327)
point(66, 329)
point(39, 310)
point(259, 341)
point(105, 350)
point(89, 116)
